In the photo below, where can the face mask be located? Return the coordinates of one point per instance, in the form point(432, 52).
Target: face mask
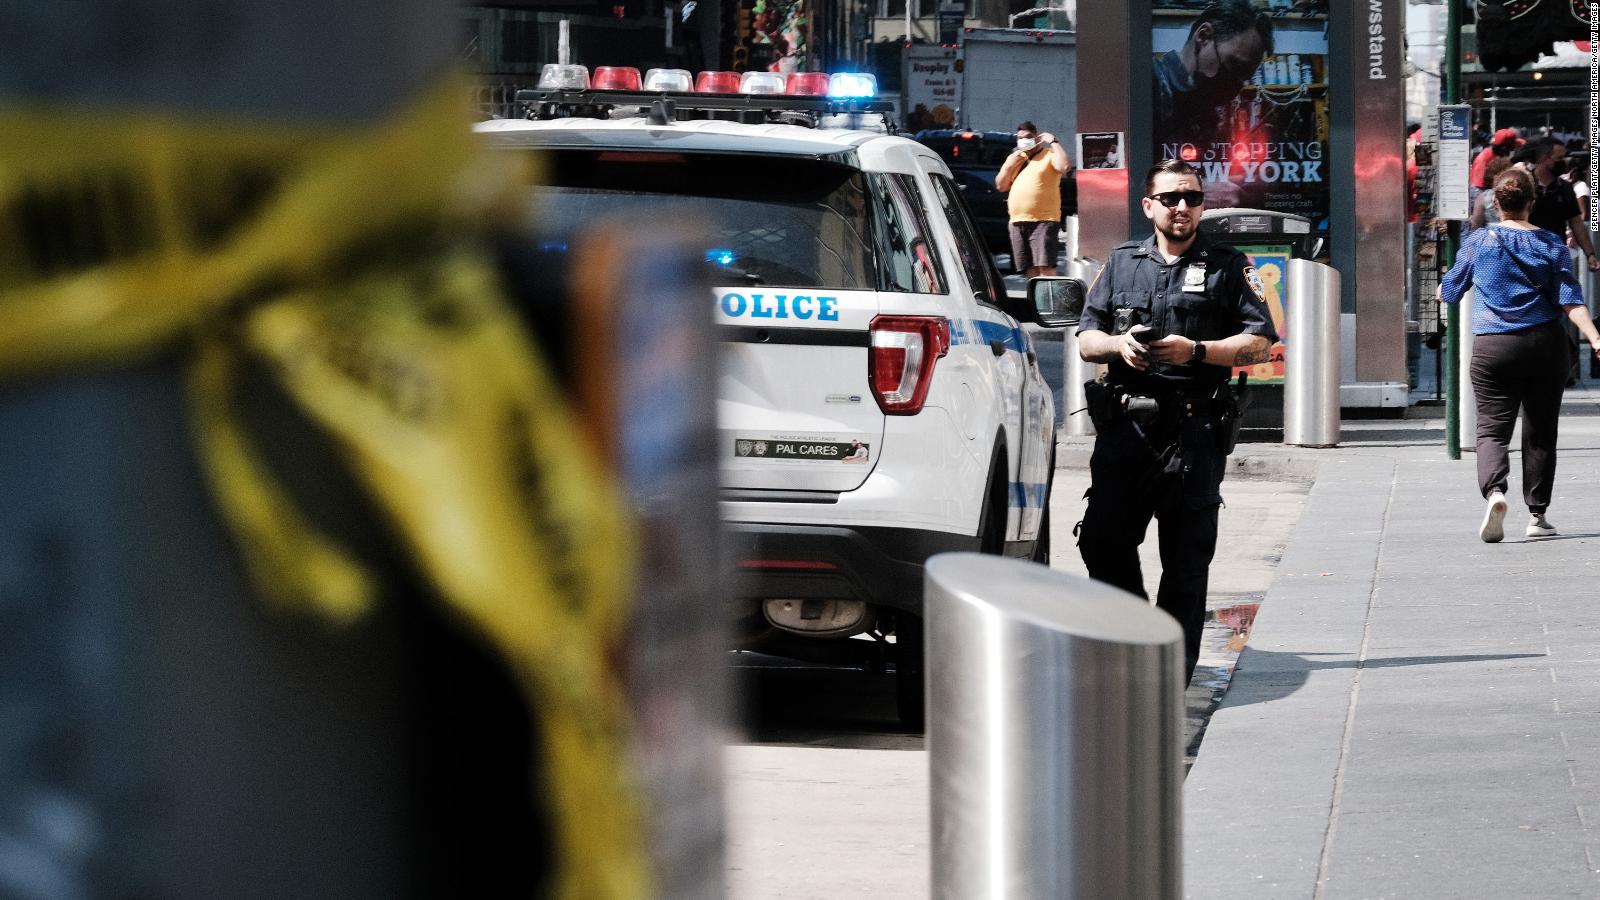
point(1559, 167)
point(1026, 144)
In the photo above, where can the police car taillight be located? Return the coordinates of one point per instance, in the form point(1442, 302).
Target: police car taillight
point(900, 358)
point(761, 83)
point(716, 83)
point(615, 78)
point(557, 77)
point(668, 80)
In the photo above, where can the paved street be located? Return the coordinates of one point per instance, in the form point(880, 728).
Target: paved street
point(1416, 714)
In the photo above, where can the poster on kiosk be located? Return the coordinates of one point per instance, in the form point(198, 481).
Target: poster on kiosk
point(1240, 91)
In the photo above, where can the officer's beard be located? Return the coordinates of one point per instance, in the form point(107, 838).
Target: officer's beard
point(1174, 230)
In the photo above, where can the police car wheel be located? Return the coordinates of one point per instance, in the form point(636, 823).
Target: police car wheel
point(909, 689)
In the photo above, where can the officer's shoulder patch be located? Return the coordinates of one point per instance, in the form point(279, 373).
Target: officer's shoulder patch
point(1253, 278)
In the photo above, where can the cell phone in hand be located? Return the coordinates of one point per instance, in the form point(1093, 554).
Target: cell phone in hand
point(1144, 334)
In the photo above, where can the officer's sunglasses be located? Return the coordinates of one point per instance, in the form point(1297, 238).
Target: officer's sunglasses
point(1170, 199)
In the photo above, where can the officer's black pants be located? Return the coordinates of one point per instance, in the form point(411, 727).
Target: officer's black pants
point(1130, 484)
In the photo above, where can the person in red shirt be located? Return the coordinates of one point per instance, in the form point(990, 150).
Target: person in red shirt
point(1504, 141)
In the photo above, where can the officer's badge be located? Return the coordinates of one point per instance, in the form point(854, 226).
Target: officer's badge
point(1194, 278)
point(1253, 278)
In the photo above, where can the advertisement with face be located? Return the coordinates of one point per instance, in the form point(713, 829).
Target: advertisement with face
point(1240, 92)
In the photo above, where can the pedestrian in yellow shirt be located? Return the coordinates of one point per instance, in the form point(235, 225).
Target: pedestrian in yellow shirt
point(1031, 176)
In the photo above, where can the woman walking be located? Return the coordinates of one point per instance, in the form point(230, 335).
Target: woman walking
point(1523, 283)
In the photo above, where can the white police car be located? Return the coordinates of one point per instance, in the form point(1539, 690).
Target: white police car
point(879, 400)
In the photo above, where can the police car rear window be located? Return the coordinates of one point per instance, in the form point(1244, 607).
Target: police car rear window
point(769, 220)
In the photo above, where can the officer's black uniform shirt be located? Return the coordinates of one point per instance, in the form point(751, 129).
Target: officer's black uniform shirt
point(1210, 293)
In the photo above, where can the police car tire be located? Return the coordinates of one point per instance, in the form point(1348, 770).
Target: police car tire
point(910, 690)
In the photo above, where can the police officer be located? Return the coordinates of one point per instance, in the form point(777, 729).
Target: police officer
point(1171, 316)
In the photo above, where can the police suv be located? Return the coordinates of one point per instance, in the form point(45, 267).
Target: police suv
point(879, 400)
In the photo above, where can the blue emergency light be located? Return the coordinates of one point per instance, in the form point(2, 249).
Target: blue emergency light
point(853, 86)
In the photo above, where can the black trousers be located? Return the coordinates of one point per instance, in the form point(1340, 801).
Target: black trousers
point(1527, 371)
point(1174, 476)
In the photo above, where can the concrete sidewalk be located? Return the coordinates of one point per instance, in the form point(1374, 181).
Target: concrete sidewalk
point(1417, 713)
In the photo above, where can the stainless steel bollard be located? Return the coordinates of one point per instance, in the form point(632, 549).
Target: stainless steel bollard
point(1467, 415)
point(1580, 268)
point(1074, 370)
point(1311, 375)
point(1055, 732)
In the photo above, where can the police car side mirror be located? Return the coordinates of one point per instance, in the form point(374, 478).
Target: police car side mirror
point(1057, 302)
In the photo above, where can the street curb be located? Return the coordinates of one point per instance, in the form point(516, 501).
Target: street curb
point(1269, 464)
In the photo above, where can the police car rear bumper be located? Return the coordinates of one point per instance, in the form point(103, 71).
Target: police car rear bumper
point(881, 566)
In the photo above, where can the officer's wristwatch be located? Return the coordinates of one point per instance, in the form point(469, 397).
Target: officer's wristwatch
point(1199, 352)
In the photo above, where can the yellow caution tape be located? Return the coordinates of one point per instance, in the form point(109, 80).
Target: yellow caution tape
point(344, 262)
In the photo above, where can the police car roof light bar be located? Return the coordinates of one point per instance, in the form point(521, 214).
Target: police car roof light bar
point(807, 99)
point(550, 104)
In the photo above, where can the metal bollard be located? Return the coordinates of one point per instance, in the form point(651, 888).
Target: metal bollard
point(1055, 732)
point(1311, 376)
point(1467, 417)
point(1074, 370)
point(1580, 267)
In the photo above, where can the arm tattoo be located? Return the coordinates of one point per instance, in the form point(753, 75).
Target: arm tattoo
point(1257, 352)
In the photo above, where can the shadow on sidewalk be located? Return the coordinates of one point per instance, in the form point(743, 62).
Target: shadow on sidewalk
point(1272, 675)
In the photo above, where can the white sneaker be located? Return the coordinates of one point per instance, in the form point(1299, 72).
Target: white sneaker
point(1493, 527)
point(1539, 526)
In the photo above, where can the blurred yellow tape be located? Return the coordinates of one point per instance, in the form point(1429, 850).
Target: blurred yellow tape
point(344, 261)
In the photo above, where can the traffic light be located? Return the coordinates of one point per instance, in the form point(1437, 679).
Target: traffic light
point(738, 26)
point(743, 32)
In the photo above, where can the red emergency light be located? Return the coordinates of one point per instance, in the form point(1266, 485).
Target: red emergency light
point(615, 78)
point(716, 83)
point(808, 84)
